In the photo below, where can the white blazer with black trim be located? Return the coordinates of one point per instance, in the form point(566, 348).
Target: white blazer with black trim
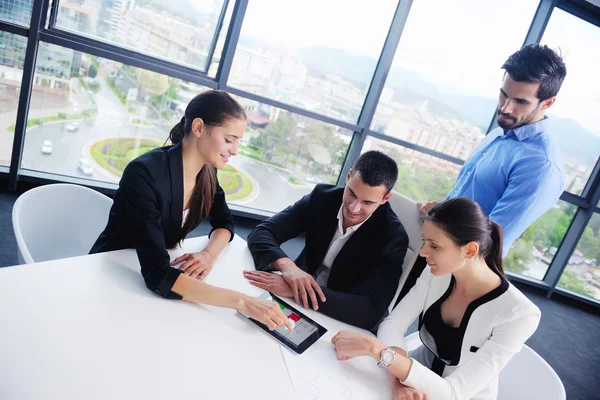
point(494, 331)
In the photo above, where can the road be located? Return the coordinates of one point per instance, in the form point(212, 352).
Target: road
point(112, 120)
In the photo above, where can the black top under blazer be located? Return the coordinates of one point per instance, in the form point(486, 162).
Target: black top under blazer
point(365, 274)
point(147, 215)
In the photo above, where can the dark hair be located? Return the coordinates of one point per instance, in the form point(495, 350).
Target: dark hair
point(537, 63)
point(214, 107)
point(464, 221)
point(376, 169)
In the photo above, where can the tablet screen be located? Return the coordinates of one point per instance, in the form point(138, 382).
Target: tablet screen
point(305, 331)
point(302, 328)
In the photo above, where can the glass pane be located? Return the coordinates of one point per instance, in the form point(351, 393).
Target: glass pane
point(285, 154)
point(443, 84)
point(421, 177)
point(574, 115)
point(532, 253)
point(318, 55)
point(582, 274)
point(16, 11)
point(216, 60)
point(106, 113)
point(176, 31)
point(12, 56)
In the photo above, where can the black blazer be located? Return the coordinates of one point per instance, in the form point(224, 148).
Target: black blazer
point(147, 215)
point(365, 274)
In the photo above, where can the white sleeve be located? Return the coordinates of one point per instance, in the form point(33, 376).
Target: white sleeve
point(393, 328)
point(485, 365)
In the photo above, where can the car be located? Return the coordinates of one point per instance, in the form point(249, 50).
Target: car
point(47, 147)
point(71, 127)
point(85, 167)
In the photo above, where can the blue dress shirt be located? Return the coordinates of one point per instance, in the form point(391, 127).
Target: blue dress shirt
point(514, 176)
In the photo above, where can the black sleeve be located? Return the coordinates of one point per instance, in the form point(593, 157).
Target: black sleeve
point(142, 202)
point(265, 239)
point(220, 216)
point(365, 304)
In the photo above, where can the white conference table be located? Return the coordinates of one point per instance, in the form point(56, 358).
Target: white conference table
point(88, 328)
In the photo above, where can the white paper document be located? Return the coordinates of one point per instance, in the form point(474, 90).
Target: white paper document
point(318, 374)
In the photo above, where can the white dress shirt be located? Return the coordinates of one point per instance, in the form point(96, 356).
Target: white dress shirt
point(339, 240)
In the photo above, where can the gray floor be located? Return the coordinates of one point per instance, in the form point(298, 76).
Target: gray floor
point(567, 337)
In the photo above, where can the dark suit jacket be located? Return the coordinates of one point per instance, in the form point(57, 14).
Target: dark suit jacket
point(364, 275)
point(147, 215)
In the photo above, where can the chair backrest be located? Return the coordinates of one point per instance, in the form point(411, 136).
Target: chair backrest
point(58, 221)
point(529, 376)
point(406, 210)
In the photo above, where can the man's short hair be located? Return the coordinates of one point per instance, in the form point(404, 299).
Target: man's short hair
point(376, 169)
point(537, 63)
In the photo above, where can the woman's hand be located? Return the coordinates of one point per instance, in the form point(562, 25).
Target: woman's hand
point(403, 392)
point(351, 344)
point(267, 312)
point(196, 265)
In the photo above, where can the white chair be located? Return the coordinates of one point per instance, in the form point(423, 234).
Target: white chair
point(406, 210)
point(527, 376)
point(58, 221)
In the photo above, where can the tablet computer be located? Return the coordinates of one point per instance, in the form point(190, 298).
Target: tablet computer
point(305, 333)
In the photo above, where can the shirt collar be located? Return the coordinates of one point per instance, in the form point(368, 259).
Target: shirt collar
point(353, 228)
point(526, 131)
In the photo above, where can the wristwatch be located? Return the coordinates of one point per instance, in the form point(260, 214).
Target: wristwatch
point(386, 358)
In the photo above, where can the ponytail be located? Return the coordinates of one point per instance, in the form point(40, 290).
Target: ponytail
point(201, 200)
point(494, 257)
point(177, 133)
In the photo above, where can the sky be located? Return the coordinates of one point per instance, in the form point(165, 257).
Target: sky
point(459, 45)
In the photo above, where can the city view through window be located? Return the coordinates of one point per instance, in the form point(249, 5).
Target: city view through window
point(89, 116)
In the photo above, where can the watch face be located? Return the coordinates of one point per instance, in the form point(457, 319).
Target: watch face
point(387, 356)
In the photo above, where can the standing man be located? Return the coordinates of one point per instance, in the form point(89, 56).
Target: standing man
point(516, 172)
point(355, 246)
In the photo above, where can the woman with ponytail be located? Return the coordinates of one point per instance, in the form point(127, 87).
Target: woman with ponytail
point(472, 321)
point(165, 193)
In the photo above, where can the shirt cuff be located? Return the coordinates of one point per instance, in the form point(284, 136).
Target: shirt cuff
point(167, 282)
point(416, 375)
point(222, 227)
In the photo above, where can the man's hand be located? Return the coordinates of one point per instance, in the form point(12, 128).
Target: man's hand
point(425, 207)
point(196, 265)
point(270, 282)
point(303, 285)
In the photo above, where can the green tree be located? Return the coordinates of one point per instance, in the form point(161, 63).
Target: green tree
point(273, 138)
point(570, 281)
point(92, 71)
point(518, 257)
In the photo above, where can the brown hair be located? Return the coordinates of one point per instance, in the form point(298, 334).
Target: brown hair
point(214, 107)
point(464, 221)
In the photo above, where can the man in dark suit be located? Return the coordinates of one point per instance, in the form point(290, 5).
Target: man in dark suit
point(355, 246)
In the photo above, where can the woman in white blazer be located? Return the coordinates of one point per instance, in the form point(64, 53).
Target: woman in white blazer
point(473, 321)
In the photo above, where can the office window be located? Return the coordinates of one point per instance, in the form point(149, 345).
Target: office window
point(220, 45)
point(532, 253)
point(12, 56)
point(318, 55)
point(160, 28)
point(573, 118)
point(90, 116)
point(285, 154)
point(582, 273)
point(441, 91)
point(421, 177)
point(16, 11)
